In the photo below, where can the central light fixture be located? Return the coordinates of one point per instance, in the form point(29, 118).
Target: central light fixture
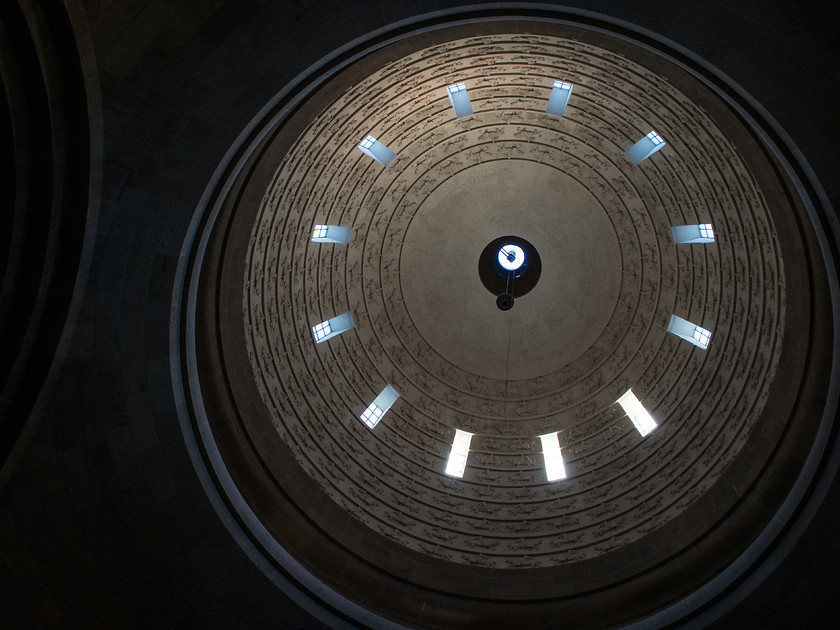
point(511, 257)
point(509, 267)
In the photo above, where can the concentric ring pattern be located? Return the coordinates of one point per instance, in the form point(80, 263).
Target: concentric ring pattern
point(503, 513)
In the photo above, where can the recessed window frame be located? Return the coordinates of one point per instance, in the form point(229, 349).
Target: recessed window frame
point(460, 99)
point(376, 410)
point(375, 149)
point(561, 92)
point(333, 327)
point(688, 234)
point(331, 234)
point(555, 468)
point(644, 148)
point(691, 332)
point(456, 463)
point(635, 410)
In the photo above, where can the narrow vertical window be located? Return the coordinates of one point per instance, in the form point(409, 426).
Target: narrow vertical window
point(702, 233)
point(332, 327)
point(331, 234)
point(641, 419)
point(370, 146)
point(692, 333)
point(645, 147)
point(554, 468)
point(460, 100)
point(560, 94)
point(457, 462)
point(381, 404)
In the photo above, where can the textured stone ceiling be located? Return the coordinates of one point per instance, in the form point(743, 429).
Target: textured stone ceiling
point(594, 326)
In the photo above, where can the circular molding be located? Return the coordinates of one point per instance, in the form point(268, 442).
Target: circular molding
point(681, 472)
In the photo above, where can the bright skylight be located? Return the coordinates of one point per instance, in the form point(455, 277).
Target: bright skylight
point(458, 456)
point(320, 231)
point(458, 87)
point(321, 330)
point(554, 468)
point(511, 257)
point(562, 85)
point(371, 415)
point(706, 230)
point(642, 420)
point(702, 336)
point(655, 138)
point(367, 143)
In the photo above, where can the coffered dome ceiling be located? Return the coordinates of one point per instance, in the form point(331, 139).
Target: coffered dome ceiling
point(634, 513)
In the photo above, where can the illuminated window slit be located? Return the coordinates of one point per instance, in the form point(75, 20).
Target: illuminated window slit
point(457, 462)
point(554, 467)
point(634, 409)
